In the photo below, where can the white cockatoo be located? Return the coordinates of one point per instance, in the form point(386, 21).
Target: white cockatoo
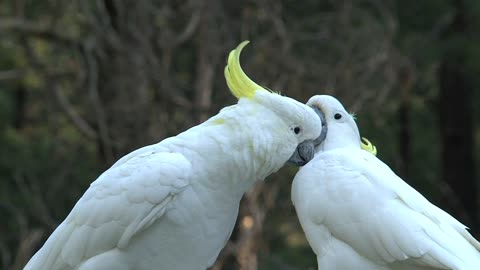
point(173, 205)
point(358, 214)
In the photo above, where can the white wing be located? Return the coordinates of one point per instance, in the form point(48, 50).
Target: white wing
point(363, 203)
point(124, 200)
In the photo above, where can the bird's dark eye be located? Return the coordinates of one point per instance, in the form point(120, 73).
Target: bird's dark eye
point(337, 116)
point(296, 130)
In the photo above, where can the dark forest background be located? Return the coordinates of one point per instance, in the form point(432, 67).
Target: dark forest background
point(83, 83)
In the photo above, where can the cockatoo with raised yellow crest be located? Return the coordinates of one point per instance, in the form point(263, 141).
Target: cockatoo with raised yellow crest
point(357, 214)
point(173, 205)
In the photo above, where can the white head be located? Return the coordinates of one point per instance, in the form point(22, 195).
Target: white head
point(340, 129)
point(300, 125)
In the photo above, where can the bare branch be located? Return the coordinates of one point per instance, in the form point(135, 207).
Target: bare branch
point(187, 33)
point(13, 74)
point(77, 120)
point(189, 29)
point(27, 248)
point(33, 29)
point(98, 106)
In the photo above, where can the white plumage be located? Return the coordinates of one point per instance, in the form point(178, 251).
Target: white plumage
point(357, 214)
point(173, 205)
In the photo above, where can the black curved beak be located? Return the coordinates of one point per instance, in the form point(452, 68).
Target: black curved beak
point(303, 154)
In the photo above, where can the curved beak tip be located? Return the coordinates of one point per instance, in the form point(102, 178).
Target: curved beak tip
point(303, 154)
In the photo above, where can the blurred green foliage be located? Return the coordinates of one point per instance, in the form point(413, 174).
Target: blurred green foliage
point(84, 82)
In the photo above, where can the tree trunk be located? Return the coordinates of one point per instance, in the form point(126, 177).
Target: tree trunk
point(206, 61)
point(407, 79)
point(20, 103)
point(456, 124)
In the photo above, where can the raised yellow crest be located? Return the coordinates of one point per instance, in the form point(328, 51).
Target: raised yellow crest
point(238, 82)
point(368, 146)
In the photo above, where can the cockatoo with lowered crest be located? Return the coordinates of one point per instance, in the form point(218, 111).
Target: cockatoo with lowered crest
point(357, 214)
point(173, 205)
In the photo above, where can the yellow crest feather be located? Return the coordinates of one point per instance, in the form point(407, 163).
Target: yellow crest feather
point(238, 82)
point(368, 146)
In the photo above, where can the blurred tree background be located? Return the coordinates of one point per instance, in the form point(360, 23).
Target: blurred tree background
point(83, 83)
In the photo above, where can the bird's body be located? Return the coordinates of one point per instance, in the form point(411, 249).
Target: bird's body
point(173, 205)
point(171, 180)
point(358, 214)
